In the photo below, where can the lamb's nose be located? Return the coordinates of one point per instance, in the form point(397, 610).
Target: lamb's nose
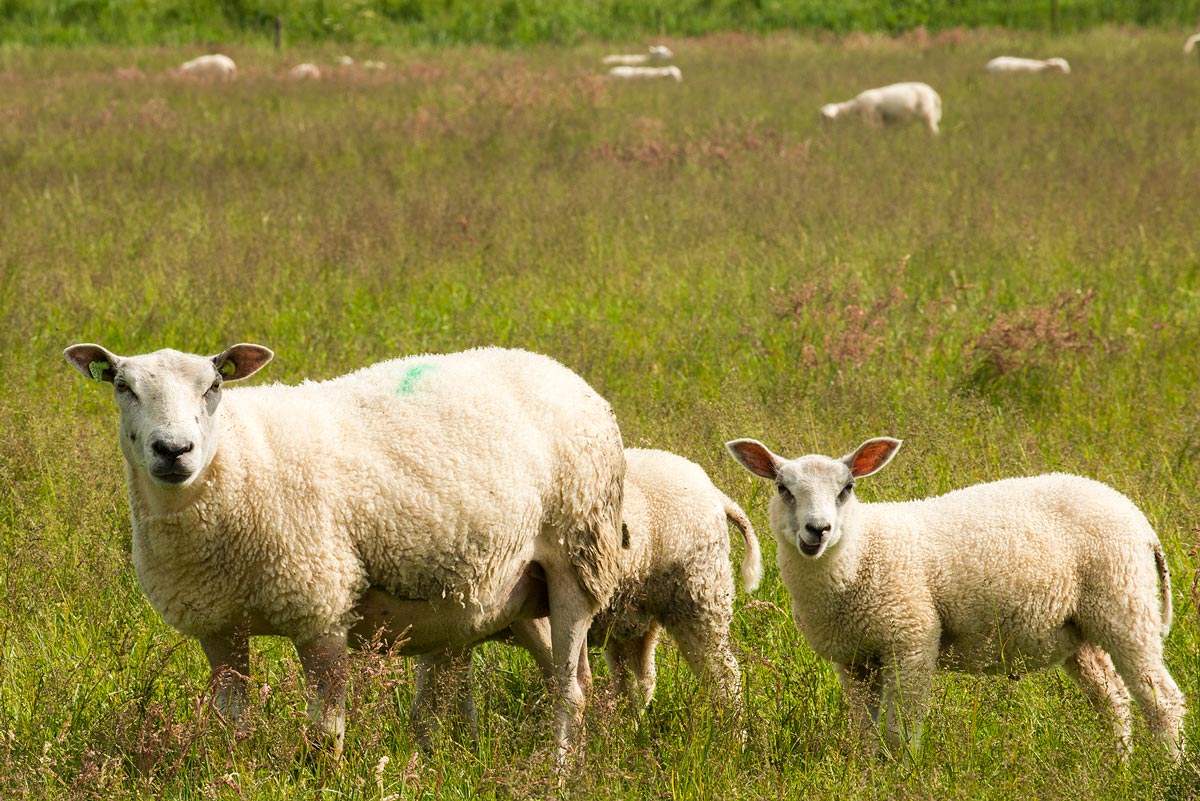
point(170, 450)
point(818, 531)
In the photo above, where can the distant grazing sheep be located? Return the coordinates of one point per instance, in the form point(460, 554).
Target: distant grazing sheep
point(641, 73)
point(655, 53)
point(305, 71)
point(432, 500)
point(675, 575)
point(895, 103)
point(1005, 577)
point(1015, 64)
point(214, 66)
point(1191, 43)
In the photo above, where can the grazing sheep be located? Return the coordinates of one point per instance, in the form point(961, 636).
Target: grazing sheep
point(640, 73)
point(1015, 64)
point(675, 575)
point(431, 500)
point(214, 66)
point(895, 103)
point(374, 66)
point(1005, 577)
point(305, 71)
point(655, 53)
point(1191, 43)
point(345, 61)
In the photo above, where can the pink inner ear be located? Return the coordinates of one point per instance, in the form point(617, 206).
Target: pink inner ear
point(871, 457)
point(756, 458)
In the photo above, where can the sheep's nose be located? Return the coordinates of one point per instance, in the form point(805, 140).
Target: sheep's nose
point(170, 450)
point(816, 530)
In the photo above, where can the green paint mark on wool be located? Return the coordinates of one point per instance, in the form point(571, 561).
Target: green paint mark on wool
point(97, 370)
point(411, 377)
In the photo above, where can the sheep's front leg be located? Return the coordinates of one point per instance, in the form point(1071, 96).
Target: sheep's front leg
point(863, 687)
point(908, 683)
point(326, 666)
point(229, 660)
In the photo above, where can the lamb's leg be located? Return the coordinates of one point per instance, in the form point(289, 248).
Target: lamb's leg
point(706, 650)
point(907, 685)
point(438, 675)
point(863, 687)
point(229, 660)
point(631, 661)
point(1092, 670)
point(1158, 696)
point(325, 670)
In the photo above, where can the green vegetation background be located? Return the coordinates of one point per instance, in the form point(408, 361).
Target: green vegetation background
point(527, 22)
point(1019, 295)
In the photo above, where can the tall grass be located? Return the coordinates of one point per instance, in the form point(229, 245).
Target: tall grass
point(1019, 295)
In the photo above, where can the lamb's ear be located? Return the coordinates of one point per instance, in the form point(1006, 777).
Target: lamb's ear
point(755, 457)
point(93, 361)
point(871, 456)
point(241, 361)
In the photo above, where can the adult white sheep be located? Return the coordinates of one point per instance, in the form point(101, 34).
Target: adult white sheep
point(435, 499)
point(214, 66)
point(305, 71)
point(1017, 64)
point(897, 102)
point(1004, 577)
point(645, 73)
point(675, 575)
point(654, 53)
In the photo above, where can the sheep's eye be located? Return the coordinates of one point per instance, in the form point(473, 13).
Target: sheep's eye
point(216, 386)
point(123, 388)
point(784, 492)
point(845, 493)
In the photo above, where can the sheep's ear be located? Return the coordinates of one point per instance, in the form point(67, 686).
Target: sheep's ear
point(871, 456)
point(755, 457)
point(93, 361)
point(241, 361)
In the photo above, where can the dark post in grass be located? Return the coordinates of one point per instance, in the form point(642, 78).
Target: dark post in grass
point(278, 32)
point(1054, 18)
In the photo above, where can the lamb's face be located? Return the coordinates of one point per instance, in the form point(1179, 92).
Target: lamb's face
point(168, 402)
point(830, 111)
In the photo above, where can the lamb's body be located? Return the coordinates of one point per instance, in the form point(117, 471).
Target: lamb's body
point(675, 575)
point(1005, 577)
point(1018, 64)
point(898, 102)
point(645, 73)
point(213, 66)
point(435, 498)
point(305, 71)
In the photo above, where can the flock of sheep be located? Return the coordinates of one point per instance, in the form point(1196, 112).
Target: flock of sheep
point(434, 502)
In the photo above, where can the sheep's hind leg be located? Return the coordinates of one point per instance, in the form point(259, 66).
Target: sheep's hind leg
point(1157, 695)
point(439, 676)
point(1092, 670)
point(570, 617)
point(325, 666)
point(229, 660)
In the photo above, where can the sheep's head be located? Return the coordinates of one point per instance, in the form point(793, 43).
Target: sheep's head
point(1058, 65)
point(813, 491)
point(661, 53)
point(830, 111)
point(168, 401)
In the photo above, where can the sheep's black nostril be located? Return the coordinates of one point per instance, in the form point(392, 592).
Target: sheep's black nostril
point(818, 531)
point(170, 450)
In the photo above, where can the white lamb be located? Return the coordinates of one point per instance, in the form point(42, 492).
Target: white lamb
point(435, 499)
point(305, 71)
point(1016, 64)
point(1191, 43)
point(674, 575)
point(1005, 577)
point(642, 73)
point(214, 66)
point(897, 102)
point(655, 53)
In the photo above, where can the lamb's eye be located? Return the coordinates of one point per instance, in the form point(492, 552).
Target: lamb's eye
point(784, 492)
point(845, 493)
point(216, 386)
point(123, 389)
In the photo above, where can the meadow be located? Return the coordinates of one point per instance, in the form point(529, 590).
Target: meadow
point(1017, 296)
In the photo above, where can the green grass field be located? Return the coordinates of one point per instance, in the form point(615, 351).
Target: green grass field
point(1018, 296)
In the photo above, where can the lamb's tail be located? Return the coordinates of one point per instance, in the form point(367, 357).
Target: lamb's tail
point(1164, 587)
point(752, 562)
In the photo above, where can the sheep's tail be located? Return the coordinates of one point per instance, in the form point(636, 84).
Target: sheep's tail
point(1164, 587)
point(752, 562)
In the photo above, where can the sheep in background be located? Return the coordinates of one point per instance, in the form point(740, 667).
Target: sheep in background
point(1016, 64)
point(655, 53)
point(432, 500)
point(1005, 577)
point(895, 103)
point(641, 73)
point(1191, 43)
point(305, 71)
point(214, 66)
point(675, 575)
